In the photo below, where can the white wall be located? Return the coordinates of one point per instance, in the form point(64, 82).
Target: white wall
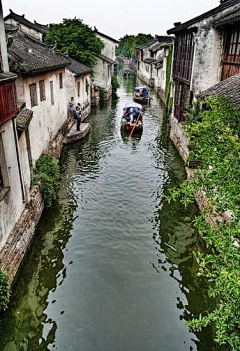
point(27, 30)
point(72, 88)
point(47, 118)
point(11, 206)
point(109, 49)
point(101, 76)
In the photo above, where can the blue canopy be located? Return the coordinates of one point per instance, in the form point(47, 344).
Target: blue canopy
point(132, 105)
point(140, 88)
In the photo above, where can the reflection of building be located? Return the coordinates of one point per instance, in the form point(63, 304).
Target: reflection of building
point(105, 65)
point(206, 51)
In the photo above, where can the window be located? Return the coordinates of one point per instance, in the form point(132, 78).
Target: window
point(51, 90)
point(60, 81)
point(33, 94)
point(42, 90)
point(231, 54)
point(109, 71)
point(78, 88)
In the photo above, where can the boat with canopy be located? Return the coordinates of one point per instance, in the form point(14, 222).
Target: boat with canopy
point(132, 119)
point(141, 95)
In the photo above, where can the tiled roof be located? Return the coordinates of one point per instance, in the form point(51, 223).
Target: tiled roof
point(230, 19)
point(107, 59)
point(156, 47)
point(22, 20)
point(229, 87)
point(7, 77)
point(224, 6)
point(146, 45)
point(149, 60)
point(23, 119)
point(34, 57)
point(164, 38)
point(105, 36)
point(78, 68)
point(159, 63)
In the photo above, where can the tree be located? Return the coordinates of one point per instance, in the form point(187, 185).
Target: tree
point(128, 44)
point(77, 38)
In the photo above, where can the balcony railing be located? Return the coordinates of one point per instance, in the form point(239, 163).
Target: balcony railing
point(8, 101)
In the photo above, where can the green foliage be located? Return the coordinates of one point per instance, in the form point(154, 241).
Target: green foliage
point(4, 290)
point(77, 38)
point(47, 175)
point(214, 135)
point(193, 114)
point(101, 93)
point(115, 83)
point(127, 44)
point(168, 99)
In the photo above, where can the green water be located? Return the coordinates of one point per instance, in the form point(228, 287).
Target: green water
point(111, 266)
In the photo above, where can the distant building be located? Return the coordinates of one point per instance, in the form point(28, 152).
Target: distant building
point(104, 67)
point(151, 54)
point(36, 30)
point(78, 85)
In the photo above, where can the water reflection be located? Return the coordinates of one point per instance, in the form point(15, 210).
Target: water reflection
point(111, 266)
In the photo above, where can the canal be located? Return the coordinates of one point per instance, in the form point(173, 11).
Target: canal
point(111, 265)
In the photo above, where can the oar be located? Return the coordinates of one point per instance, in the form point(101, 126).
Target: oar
point(130, 135)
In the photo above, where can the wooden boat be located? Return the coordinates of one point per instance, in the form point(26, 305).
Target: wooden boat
point(126, 73)
point(141, 95)
point(136, 124)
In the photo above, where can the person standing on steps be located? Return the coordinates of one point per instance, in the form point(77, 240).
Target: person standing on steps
point(78, 116)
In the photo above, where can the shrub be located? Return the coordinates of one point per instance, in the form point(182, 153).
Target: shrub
point(47, 175)
point(115, 83)
point(214, 136)
point(4, 290)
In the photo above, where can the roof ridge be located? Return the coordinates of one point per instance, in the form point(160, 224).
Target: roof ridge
point(216, 9)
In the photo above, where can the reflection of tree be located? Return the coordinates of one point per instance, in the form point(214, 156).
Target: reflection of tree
point(175, 240)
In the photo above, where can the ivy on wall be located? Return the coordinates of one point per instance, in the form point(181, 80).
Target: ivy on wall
point(213, 133)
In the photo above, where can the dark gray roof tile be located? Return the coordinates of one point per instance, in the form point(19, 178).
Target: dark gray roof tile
point(23, 119)
point(78, 68)
point(22, 20)
point(33, 56)
point(229, 87)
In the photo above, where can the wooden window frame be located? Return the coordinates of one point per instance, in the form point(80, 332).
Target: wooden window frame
point(33, 94)
point(78, 88)
point(42, 90)
point(60, 80)
point(52, 92)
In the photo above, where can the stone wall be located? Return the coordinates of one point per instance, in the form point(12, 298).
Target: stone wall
point(179, 138)
point(21, 236)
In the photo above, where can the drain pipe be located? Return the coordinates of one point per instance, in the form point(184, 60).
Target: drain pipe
point(18, 158)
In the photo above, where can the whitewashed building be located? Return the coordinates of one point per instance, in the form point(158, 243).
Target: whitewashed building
point(206, 51)
point(41, 87)
point(148, 55)
point(78, 85)
point(35, 30)
point(12, 191)
point(104, 67)
point(160, 71)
